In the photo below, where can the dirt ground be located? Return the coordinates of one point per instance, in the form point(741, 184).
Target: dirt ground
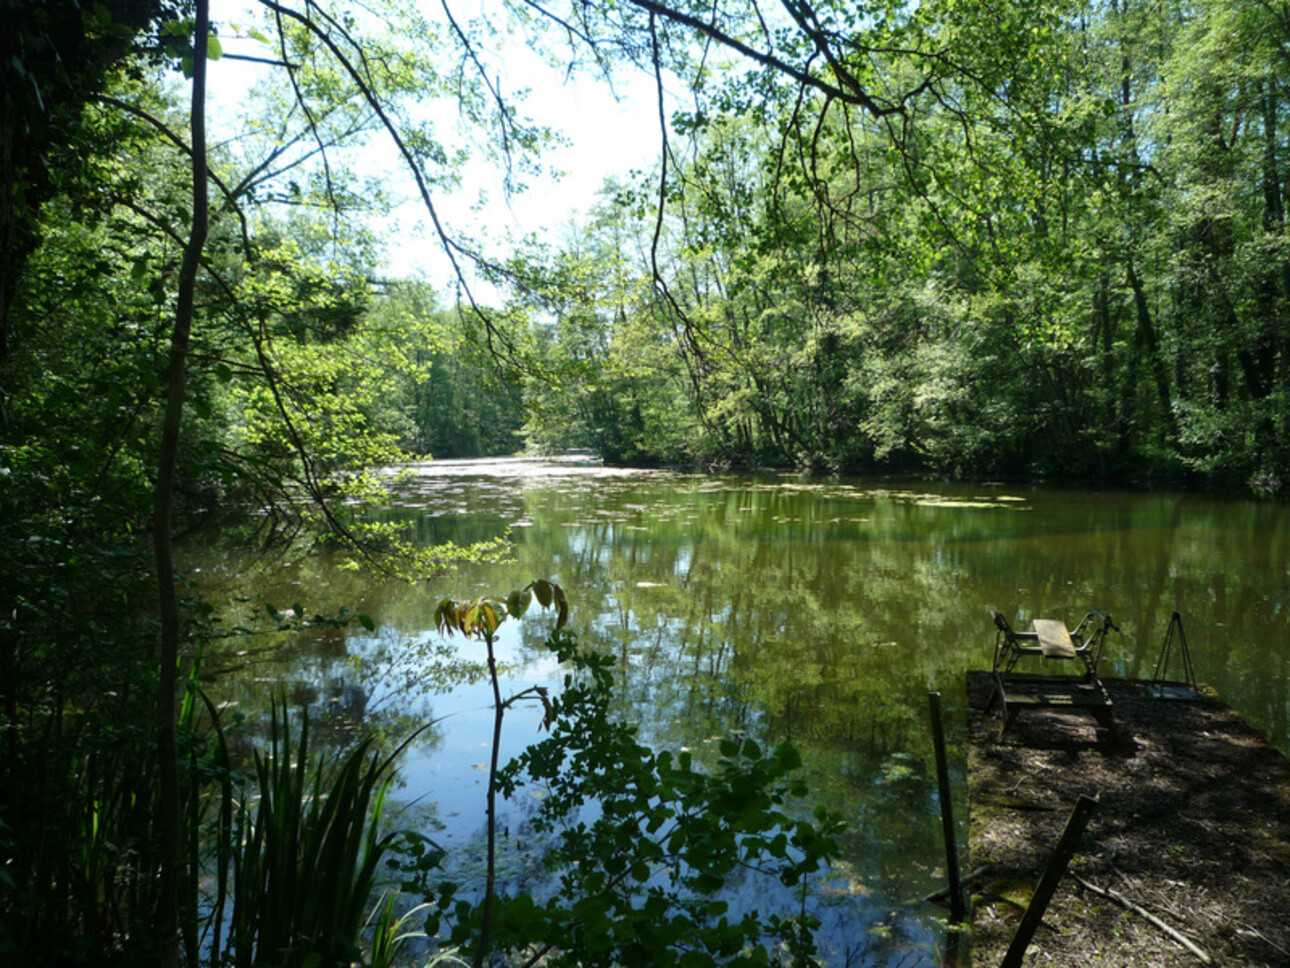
point(1192, 826)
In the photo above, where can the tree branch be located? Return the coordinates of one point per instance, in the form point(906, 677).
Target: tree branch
point(450, 247)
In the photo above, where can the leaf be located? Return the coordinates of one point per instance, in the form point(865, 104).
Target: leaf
point(366, 621)
point(778, 846)
point(487, 616)
point(788, 756)
point(562, 608)
point(543, 589)
point(213, 49)
point(445, 616)
point(548, 710)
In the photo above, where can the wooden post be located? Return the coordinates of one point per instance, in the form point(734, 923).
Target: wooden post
point(1052, 876)
point(957, 908)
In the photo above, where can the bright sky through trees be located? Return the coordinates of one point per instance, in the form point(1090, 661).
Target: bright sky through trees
point(606, 136)
point(609, 129)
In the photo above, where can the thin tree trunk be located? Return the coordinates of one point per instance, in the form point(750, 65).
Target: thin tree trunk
point(1147, 332)
point(490, 878)
point(1275, 286)
point(167, 922)
point(1104, 341)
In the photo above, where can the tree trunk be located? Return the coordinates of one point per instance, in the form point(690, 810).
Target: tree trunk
point(1274, 287)
point(1104, 341)
point(1146, 331)
point(167, 917)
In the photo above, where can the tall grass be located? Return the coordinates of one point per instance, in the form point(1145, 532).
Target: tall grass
point(78, 831)
point(298, 860)
point(278, 868)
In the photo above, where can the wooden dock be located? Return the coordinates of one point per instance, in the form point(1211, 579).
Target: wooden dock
point(1187, 856)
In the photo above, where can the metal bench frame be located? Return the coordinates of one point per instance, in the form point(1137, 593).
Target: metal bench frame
point(1062, 691)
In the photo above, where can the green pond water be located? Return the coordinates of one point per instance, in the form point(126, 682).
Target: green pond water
point(782, 607)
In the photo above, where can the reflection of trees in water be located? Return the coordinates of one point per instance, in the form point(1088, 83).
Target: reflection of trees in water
point(824, 613)
point(336, 706)
point(349, 683)
point(850, 580)
point(716, 634)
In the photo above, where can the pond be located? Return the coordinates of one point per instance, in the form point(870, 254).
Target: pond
point(822, 612)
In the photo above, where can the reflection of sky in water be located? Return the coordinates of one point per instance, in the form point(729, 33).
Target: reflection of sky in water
point(816, 611)
point(455, 774)
point(856, 927)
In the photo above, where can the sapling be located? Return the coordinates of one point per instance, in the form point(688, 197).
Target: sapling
point(480, 619)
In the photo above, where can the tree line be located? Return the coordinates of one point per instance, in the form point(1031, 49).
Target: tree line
point(1064, 256)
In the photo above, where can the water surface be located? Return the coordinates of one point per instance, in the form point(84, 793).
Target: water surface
point(821, 612)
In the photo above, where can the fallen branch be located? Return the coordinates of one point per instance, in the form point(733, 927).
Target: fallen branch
point(944, 892)
point(1124, 902)
point(1253, 932)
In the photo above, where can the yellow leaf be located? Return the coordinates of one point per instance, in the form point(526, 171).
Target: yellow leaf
point(488, 617)
point(561, 608)
point(445, 616)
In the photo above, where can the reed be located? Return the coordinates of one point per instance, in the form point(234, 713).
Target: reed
point(79, 835)
point(302, 855)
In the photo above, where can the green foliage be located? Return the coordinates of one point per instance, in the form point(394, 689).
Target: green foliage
point(444, 394)
point(1066, 257)
point(80, 841)
point(285, 416)
point(1007, 238)
point(303, 849)
point(642, 841)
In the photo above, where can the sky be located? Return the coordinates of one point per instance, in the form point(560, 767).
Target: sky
point(609, 133)
point(607, 136)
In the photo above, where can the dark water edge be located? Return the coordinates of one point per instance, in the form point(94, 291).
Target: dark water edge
point(912, 473)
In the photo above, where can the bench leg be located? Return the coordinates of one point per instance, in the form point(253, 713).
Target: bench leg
point(996, 694)
point(1008, 717)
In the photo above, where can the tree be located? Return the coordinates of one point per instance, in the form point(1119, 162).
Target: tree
point(89, 313)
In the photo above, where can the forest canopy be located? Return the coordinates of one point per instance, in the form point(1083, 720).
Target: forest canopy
point(1021, 239)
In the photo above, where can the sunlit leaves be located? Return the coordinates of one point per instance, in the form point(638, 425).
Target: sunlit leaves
point(481, 617)
point(845, 290)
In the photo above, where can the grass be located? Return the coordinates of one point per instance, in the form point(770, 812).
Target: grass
point(301, 857)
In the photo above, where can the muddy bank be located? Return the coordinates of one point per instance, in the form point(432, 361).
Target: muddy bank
point(1192, 826)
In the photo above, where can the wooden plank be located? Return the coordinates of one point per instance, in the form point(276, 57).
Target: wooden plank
point(958, 909)
point(1052, 876)
point(1054, 638)
point(1057, 699)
